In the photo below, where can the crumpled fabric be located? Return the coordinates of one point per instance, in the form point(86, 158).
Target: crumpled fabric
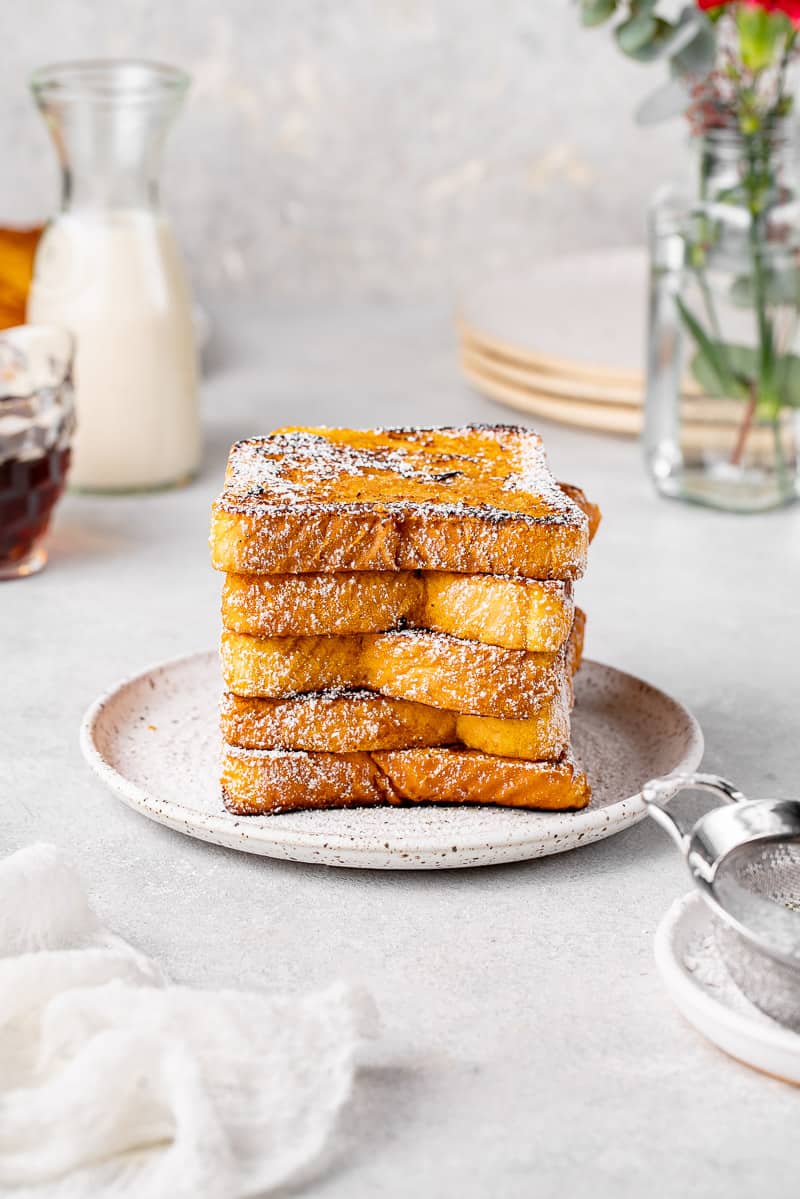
point(114, 1083)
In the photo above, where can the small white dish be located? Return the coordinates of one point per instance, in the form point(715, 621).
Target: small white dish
point(695, 976)
point(154, 740)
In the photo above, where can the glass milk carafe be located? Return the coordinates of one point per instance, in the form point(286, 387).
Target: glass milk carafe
point(108, 269)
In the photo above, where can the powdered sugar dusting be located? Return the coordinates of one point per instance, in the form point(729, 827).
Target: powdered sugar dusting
point(319, 467)
point(342, 721)
point(513, 613)
point(703, 961)
point(431, 668)
point(566, 762)
point(315, 717)
point(336, 720)
point(279, 781)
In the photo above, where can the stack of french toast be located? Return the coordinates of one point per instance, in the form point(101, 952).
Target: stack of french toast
point(398, 620)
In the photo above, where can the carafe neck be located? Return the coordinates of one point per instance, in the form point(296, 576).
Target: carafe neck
point(108, 122)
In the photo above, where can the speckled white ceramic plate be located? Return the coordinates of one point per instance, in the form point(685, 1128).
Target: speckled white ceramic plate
point(154, 740)
point(696, 978)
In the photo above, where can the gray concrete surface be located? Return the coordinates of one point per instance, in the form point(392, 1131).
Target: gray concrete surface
point(528, 1049)
point(366, 147)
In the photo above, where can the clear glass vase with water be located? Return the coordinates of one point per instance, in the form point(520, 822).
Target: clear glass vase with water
point(723, 381)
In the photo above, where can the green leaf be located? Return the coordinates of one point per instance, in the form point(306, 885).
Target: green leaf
point(783, 390)
point(718, 380)
point(650, 33)
point(696, 57)
point(669, 100)
point(780, 287)
point(787, 379)
point(710, 364)
point(595, 12)
point(637, 36)
point(760, 35)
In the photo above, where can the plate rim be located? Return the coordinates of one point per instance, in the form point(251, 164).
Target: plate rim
point(687, 994)
point(549, 364)
point(172, 813)
point(548, 386)
point(466, 316)
point(615, 419)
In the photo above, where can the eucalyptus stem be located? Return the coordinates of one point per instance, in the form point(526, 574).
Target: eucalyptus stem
point(766, 347)
point(786, 58)
point(710, 307)
point(700, 275)
point(765, 338)
point(698, 271)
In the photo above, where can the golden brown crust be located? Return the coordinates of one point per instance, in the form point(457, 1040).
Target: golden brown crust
point(354, 721)
point(573, 650)
point(359, 540)
point(465, 676)
point(276, 781)
point(512, 613)
point(271, 782)
point(334, 722)
point(339, 603)
point(543, 737)
point(459, 776)
point(430, 668)
point(593, 514)
point(474, 500)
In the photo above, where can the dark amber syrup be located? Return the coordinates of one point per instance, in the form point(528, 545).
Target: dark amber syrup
point(29, 489)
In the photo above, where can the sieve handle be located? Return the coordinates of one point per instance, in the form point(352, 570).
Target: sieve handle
point(658, 793)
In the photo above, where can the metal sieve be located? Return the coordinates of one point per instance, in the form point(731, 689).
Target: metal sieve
point(744, 858)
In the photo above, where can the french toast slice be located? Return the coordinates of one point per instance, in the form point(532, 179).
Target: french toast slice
point(477, 499)
point(513, 613)
point(275, 781)
point(591, 511)
point(431, 668)
point(349, 721)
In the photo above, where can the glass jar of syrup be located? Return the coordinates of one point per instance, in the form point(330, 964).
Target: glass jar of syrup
point(37, 419)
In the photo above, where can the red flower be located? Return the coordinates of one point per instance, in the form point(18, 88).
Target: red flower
point(791, 8)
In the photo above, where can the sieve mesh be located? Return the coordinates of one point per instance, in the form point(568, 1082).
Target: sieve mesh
point(759, 885)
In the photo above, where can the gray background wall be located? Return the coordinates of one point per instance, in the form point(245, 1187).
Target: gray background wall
point(362, 148)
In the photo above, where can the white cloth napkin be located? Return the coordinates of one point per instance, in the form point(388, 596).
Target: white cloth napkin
point(115, 1083)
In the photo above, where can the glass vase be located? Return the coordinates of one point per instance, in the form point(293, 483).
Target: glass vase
point(723, 368)
point(108, 268)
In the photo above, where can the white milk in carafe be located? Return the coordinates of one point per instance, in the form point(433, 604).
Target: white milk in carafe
point(115, 279)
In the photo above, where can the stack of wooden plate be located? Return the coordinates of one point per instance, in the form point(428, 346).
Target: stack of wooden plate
point(563, 340)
